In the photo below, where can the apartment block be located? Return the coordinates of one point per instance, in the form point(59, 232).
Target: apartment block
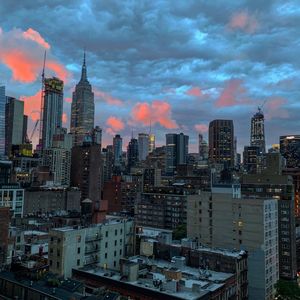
point(101, 244)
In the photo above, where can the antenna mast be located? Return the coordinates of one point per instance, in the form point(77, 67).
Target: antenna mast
point(42, 102)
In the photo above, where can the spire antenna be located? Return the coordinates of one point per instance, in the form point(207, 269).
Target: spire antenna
point(83, 70)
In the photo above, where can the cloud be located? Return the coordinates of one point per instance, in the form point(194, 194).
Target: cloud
point(32, 105)
point(194, 91)
point(65, 118)
point(201, 128)
point(115, 125)
point(233, 94)
point(274, 109)
point(244, 21)
point(156, 112)
point(68, 100)
point(22, 53)
point(33, 35)
point(108, 98)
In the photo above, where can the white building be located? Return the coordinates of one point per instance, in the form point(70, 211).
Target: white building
point(11, 195)
point(102, 244)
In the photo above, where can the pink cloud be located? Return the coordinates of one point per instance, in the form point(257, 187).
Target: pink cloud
point(108, 98)
point(156, 112)
point(68, 100)
point(233, 94)
point(33, 35)
point(194, 91)
point(274, 109)
point(65, 118)
point(32, 105)
point(115, 125)
point(22, 52)
point(201, 128)
point(244, 21)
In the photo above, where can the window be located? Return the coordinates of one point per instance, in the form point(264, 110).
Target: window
point(116, 231)
point(78, 250)
point(115, 253)
point(58, 252)
point(79, 238)
point(115, 263)
point(121, 231)
point(51, 250)
point(50, 262)
point(57, 264)
point(106, 244)
point(115, 242)
point(120, 251)
point(105, 255)
point(78, 262)
point(106, 233)
point(121, 241)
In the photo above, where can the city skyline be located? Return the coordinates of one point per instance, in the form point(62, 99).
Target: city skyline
point(177, 66)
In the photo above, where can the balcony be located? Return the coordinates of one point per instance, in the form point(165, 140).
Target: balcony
point(93, 238)
point(91, 259)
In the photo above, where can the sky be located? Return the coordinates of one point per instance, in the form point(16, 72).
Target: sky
point(176, 64)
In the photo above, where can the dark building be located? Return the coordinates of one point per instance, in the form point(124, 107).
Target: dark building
point(290, 150)
point(4, 234)
point(273, 184)
point(5, 171)
point(108, 158)
point(132, 153)
point(221, 142)
point(257, 137)
point(113, 194)
point(82, 109)
point(15, 124)
point(117, 150)
point(176, 151)
point(86, 171)
point(251, 159)
point(52, 109)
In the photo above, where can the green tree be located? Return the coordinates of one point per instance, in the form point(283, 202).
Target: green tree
point(287, 290)
point(180, 232)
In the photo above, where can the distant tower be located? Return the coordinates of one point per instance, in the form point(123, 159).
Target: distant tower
point(83, 108)
point(257, 137)
point(143, 145)
point(203, 148)
point(117, 150)
point(52, 109)
point(221, 142)
point(132, 153)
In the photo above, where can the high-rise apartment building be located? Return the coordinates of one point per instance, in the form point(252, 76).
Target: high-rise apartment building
point(251, 159)
point(52, 109)
point(117, 150)
point(97, 135)
point(223, 218)
point(132, 153)
point(257, 137)
point(83, 108)
point(176, 151)
point(2, 121)
point(108, 163)
point(143, 146)
point(221, 142)
point(290, 150)
point(15, 121)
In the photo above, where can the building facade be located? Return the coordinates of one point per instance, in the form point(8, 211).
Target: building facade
point(52, 109)
point(143, 146)
point(117, 150)
point(132, 153)
point(2, 121)
point(221, 142)
point(290, 150)
point(82, 108)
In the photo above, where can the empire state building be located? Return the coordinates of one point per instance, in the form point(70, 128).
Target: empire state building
point(83, 108)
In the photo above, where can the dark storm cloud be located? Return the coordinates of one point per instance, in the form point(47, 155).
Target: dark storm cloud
point(140, 51)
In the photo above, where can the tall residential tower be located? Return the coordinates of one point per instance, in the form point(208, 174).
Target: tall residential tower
point(258, 131)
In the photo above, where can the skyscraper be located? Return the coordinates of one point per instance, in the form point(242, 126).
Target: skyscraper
point(203, 148)
point(221, 142)
point(52, 110)
point(151, 142)
point(176, 151)
point(2, 121)
point(15, 121)
point(290, 150)
point(143, 144)
point(132, 153)
point(117, 149)
point(83, 108)
point(258, 131)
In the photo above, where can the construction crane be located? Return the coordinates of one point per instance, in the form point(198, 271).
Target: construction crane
point(33, 130)
point(260, 107)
